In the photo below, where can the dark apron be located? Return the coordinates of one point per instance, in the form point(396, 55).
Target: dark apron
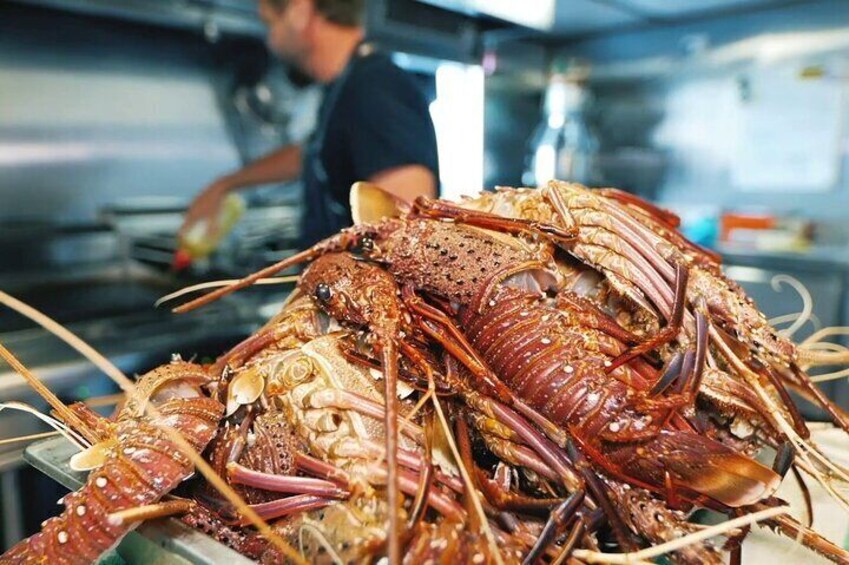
point(323, 213)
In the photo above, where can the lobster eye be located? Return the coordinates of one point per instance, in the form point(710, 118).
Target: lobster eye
point(367, 244)
point(323, 292)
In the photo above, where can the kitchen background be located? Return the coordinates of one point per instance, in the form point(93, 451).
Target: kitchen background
point(113, 114)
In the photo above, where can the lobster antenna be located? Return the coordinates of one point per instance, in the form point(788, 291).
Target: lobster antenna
point(60, 427)
point(68, 337)
point(644, 555)
point(29, 437)
point(217, 284)
point(64, 412)
point(296, 259)
point(826, 332)
point(804, 294)
point(830, 376)
point(813, 351)
point(778, 320)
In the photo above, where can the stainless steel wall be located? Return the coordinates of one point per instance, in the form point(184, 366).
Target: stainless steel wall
point(673, 88)
point(94, 112)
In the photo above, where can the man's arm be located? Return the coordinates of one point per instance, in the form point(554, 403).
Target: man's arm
point(281, 165)
point(406, 182)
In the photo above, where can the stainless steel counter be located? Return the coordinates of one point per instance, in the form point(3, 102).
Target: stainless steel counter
point(832, 259)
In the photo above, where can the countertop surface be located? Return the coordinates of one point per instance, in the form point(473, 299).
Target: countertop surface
point(816, 258)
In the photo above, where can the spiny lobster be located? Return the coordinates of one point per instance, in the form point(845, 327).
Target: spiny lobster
point(577, 360)
point(137, 463)
point(499, 304)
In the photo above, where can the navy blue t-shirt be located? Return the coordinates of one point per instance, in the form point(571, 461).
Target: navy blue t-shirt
point(373, 118)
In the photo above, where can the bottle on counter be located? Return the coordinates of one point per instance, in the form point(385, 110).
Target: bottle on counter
point(198, 243)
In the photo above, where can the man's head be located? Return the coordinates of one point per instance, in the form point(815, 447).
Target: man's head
point(292, 23)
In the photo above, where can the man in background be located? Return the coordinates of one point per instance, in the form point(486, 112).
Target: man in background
point(373, 123)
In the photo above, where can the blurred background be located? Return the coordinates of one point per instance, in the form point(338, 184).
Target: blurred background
point(115, 113)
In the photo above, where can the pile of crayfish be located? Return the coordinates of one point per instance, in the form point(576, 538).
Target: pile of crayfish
point(541, 375)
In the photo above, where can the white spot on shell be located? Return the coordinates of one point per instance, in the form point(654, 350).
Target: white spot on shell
point(545, 341)
point(608, 364)
point(129, 450)
point(614, 427)
point(569, 369)
point(81, 510)
point(523, 314)
point(101, 482)
point(492, 302)
point(62, 537)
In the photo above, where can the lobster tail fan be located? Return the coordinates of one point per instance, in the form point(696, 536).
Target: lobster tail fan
point(696, 464)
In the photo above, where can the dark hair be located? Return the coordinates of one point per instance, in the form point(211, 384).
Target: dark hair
point(342, 12)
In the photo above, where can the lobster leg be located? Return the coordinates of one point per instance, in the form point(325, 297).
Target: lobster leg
point(666, 223)
point(788, 526)
point(588, 210)
point(417, 510)
point(668, 333)
point(599, 494)
point(286, 507)
point(319, 468)
point(150, 512)
point(591, 316)
point(241, 353)
point(510, 501)
point(575, 534)
point(559, 518)
point(437, 209)
point(519, 455)
point(664, 216)
point(241, 475)
point(784, 458)
point(671, 372)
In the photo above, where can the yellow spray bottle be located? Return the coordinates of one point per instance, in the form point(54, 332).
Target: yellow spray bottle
point(197, 243)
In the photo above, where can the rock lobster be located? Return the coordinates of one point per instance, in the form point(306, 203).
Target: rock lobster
point(560, 369)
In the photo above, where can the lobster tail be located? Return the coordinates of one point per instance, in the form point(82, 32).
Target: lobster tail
point(686, 463)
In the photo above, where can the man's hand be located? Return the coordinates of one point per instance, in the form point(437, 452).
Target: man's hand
point(281, 165)
point(206, 206)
